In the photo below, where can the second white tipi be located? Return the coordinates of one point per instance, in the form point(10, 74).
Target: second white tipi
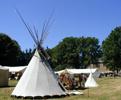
point(90, 82)
point(37, 81)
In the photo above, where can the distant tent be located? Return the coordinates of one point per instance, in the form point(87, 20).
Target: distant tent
point(94, 71)
point(77, 71)
point(38, 81)
point(16, 69)
point(90, 82)
point(15, 72)
point(4, 74)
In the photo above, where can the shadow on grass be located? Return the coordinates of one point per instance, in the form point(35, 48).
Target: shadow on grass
point(41, 98)
point(6, 86)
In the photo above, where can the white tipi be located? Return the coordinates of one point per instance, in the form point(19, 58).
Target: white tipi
point(90, 82)
point(37, 81)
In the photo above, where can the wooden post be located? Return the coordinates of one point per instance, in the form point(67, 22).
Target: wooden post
point(88, 92)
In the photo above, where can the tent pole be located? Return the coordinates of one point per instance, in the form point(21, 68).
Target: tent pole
point(88, 92)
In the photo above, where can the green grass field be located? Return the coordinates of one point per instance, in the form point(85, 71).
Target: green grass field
point(109, 89)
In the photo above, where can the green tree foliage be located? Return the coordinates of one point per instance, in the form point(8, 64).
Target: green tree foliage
point(9, 50)
point(112, 49)
point(90, 51)
point(25, 57)
point(75, 52)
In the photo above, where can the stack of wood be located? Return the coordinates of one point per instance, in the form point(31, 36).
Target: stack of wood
point(72, 82)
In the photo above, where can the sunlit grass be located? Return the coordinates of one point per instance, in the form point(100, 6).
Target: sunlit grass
point(109, 89)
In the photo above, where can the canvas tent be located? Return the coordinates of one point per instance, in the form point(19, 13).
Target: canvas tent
point(4, 74)
point(37, 81)
point(15, 72)
point(75, 78)
point(95, 72)
point(16, 69)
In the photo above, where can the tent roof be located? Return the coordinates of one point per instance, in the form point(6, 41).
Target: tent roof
point(37, 80)
point(77, 71)
point(2, 68)
point(15, 69)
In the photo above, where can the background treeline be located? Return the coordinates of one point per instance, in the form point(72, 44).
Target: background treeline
point(71, 52)
point(11, 53)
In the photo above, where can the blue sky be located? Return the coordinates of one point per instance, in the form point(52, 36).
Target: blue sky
point(94, 18)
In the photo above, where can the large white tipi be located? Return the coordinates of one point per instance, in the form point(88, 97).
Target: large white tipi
point(37, 81)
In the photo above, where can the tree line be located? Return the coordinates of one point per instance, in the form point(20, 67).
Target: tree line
point(71, 52)
point(11, 53)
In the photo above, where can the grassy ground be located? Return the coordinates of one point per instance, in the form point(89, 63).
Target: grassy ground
point(109, 89)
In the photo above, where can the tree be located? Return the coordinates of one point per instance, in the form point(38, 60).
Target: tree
point(90, 51)
point(75, 52)
point(111, 47)
point(68, 53)
point(9, 50)
point(25, 57)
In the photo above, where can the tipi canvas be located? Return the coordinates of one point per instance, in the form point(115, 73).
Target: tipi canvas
point(90, 82)
point(37, 80)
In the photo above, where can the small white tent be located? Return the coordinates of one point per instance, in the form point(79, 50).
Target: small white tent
point(37, 81)
point(4, 74)
point(90, 82)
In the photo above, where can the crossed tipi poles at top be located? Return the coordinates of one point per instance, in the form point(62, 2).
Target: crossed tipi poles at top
point(34, 33)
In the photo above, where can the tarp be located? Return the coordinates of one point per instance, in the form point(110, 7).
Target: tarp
point(15, 69)
point(77, 71)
